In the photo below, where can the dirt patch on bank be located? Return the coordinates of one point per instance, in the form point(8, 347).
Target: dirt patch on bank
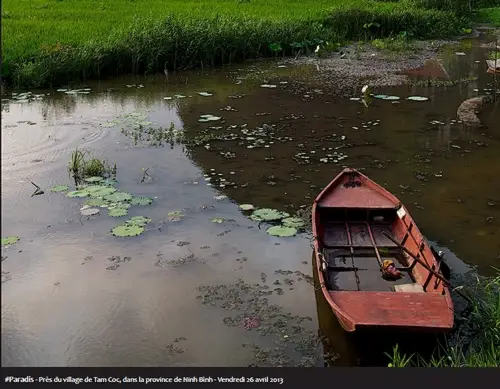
point(345, 72)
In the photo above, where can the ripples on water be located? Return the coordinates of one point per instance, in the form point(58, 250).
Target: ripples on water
point(60, 304)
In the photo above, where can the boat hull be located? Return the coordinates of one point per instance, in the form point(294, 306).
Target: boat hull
point(424, 304)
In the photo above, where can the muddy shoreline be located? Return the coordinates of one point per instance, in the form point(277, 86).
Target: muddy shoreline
point(345, 72)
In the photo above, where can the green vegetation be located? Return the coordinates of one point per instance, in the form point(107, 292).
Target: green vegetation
point(84, 165)
point(398, 43)
point(9, 240)
point(475, 343)
point(488, 15)
point(56, 41)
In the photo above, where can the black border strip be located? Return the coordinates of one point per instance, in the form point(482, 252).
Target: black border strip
point(347, 378)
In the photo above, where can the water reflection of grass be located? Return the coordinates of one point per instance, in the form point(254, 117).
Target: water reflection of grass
point(91, 40)
point(476, 343)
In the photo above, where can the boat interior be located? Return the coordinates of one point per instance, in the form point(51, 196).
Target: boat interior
point(353, 248)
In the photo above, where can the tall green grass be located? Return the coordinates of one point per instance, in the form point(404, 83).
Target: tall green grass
point(54, 41)
point(476, 343)
point(488, 15)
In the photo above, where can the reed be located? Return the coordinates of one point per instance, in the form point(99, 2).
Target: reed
point(84, 164)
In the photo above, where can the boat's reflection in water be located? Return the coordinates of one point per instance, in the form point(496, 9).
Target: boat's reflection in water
point(364, 347)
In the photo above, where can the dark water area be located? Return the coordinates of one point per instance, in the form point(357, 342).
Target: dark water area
point(199, 293)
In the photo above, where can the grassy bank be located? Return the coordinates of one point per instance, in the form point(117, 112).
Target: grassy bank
point(476, 342)
point(54, 41)
point(489, 16)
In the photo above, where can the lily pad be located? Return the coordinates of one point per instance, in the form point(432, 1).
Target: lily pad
point(97, 202)
point(138, 221)
point(94, 179)
point(295, 222)
point(206, 94)
point(77, 193)
point(119, 205)
point(141, 201)
point(208, 118)
point(89, 211)
point(125, 230)
point(247, 207)
point(117, 212)
point(218, 220)
point(417, 98)
point(268, 214)
point(118, 196)
point(386, 97)
point(109, 182)
point(99, 190)
point(10, 240)
point(175, 216)
point(60, 188)
point(281, 231)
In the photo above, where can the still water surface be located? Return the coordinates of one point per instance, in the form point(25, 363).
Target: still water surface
point(66, 303)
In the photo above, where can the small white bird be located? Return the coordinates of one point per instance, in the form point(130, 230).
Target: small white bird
point(317, 49)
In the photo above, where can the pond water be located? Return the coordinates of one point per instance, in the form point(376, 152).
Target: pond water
point(190, 292)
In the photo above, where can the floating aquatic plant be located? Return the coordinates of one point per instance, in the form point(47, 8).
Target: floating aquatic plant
point(141, 201)
point(109, 182)
point(117, 212)
point(208, 118)
point(220, 197)
point(10, 240)
point(94, 179)
point(218, 220)
point(386, 97)
point(138, 221)
point(99, 190)
point(268, 214)
point(119, 205)
point(295, 222)
point(77, 193)
point(59, 188)
point(87, 211)
point(206, 94)
point(97, 202)
point(118, 196)
point(247, 207)
point(175, 216)
point(268, 86)
point(281, 231)
point(417, 98)
point(125, 230)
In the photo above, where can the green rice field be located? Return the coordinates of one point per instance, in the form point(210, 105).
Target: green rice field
point(51, 41)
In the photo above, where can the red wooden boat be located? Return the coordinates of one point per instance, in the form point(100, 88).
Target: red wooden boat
point(375, 267)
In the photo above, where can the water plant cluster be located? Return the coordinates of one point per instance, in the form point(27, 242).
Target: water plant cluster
point(41, 48)
point(282, 224)
point(83, 164)
point(100, 193)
